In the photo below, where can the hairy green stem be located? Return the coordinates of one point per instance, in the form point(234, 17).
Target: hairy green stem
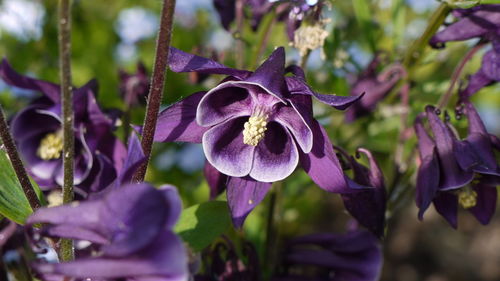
point(157, 84)
point(66, 250)
point(17, 164)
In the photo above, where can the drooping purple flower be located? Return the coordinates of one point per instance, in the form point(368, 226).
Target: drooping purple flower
point(483, 22)
point(130, 230)
point(448, 167)
point(134, 87)
point(354, 256)
point(256, 127)
point(224, 264)
point(292, 12)
point(368, 205)
point(38, 132)
point(375, 85)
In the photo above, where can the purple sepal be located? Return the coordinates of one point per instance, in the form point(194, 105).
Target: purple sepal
point(216, 180)
point(243, 194)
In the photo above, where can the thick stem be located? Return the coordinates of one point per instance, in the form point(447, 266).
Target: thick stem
point(240, 46)
point(16, 162)
point(66, 251)
point(456, 74)
point(157, 84)
point(267, 27)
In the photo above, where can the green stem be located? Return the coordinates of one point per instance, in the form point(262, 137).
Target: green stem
point(17, 164)
point(266, 30)
point(66, 250)
point(272, 229)
point(157, 84)
point(414, 54)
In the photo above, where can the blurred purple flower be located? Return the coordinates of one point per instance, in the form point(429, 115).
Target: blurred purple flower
point(376, 87)
point(255, 128)
point(37, 131)
point(483, 22)
point(368, 205)
point(130, 229)
point(223, 264)
point(354, 256)
point(449, 165)
point(292, 12)
point(134, 87)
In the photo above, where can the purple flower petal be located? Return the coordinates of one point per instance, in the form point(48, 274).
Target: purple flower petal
point(477, 81)
point(446, 204)
point(11, 77)
point(179, 61)
point(452, 176)
point(177, 122)
point(322, 164)
point(216, 180)
point(291, 119)
point(224, 148)
point(243, 194)
point(29, 122)
point(486, 202)
point(165, 258)
point(135, 157)
point(297, 86)
point(428, 171)
point(270, 75)
point(491, 65)
point(226, 10)
point(276, 156)
point(226, 101)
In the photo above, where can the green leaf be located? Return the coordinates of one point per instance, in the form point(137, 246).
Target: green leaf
point(201, 224)
point(13, 203)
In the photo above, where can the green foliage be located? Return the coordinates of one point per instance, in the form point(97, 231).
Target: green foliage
point(13, 203)
point(201, 224)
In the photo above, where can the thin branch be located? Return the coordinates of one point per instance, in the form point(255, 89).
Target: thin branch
point(16, 162)
point(157, 84)
point(66, 251)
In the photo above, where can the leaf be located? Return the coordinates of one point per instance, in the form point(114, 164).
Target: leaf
point(201, 224)
point(13, 203)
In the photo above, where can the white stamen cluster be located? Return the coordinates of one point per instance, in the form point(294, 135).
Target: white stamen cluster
point(254, 130)
point(309, 38)
point(467, 198)
point(50, 147)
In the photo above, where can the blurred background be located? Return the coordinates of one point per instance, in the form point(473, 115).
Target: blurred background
point(112, 35)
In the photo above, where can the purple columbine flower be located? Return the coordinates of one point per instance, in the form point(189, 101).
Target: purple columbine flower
point(256, 127)
point(354, 256)
point(292, 12)
point(134, 87)
point(368, 205)
point(376, 87)
point(222, 263)
point(130, 230)
point(483, 22)
point(448, 166)
point(37, 129)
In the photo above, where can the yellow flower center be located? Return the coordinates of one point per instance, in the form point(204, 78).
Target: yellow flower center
point(467, 198)
point(50, 147)
point(254, 130)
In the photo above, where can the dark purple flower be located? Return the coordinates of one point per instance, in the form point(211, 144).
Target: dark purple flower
point(134, 87)
point(354, 256)
point(256, 127)
point(130, 230)
point(376, 87)
point(368, 205)
point(483, 22)
point(37, 131)
point(224, 264)
point(448, 166)
point(293, 12)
